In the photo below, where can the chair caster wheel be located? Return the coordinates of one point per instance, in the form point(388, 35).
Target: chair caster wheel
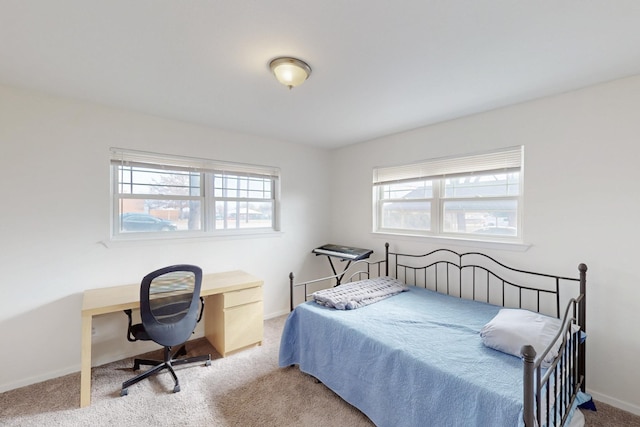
point(176, 389)
point(207, 363)
point(124, 392)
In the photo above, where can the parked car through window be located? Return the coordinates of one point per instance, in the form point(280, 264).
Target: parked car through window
point(145, 222)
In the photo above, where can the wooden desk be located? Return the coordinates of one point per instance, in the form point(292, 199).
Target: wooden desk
point(233, 315)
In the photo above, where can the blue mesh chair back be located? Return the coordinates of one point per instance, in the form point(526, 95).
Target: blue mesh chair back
point(169, 303)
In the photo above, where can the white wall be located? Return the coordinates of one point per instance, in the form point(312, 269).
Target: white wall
point(582, 204)
point(581, 201)
point(54, 170)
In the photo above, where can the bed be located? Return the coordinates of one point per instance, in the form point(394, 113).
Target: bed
point(441, 349)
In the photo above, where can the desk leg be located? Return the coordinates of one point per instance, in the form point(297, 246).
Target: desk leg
point(214, 322)
point(85, 362)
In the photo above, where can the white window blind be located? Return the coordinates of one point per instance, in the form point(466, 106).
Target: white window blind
point(474, 196)
point(193, 164)
point(502, 161)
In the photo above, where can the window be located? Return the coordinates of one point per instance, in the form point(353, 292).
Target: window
point(477, 196)
point(243, 201)
point(154, 194)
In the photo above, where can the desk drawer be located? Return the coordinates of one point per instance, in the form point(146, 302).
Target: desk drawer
point(244, 326)
point(243, 296)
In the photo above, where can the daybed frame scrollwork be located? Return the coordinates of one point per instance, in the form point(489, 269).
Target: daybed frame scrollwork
point(477, 276)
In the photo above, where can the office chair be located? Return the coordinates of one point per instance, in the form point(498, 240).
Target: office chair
point(169, 312)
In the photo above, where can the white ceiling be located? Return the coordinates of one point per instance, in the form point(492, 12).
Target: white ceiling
point(379, 66)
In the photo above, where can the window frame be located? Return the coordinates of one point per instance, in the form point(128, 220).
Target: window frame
point(437, 171)
point(207, 169)
point(210, 178)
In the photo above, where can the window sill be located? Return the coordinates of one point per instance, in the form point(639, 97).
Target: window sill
point(485, 244)
point(138, 240)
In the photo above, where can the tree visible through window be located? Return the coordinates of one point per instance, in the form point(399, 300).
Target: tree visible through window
point(152, 199)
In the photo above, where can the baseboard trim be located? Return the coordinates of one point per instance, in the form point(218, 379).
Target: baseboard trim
point(276, 314)
point(39, 378)
point(625, 406)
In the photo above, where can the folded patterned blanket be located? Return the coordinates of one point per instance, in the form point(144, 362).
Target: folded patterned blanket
point(359, 294)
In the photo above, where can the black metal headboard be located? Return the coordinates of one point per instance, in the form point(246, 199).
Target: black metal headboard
point(477, 276)
point(471, 275)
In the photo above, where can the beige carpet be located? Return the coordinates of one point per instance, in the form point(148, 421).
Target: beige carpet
point(245, 389)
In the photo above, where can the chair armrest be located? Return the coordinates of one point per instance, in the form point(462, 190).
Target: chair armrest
point(129, 336)
point(201, 309)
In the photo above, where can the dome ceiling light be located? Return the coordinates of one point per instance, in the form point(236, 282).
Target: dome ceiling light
point(290, 72)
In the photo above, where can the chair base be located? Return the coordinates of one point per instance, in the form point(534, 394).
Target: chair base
point(158, 365)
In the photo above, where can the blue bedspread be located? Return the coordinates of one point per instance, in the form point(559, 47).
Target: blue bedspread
point(415, 359)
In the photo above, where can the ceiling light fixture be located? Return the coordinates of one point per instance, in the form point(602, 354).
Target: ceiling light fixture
point(290, 71)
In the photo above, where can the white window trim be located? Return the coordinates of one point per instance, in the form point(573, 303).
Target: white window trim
point(205, 166)
point(439, 169)
point(457, 241)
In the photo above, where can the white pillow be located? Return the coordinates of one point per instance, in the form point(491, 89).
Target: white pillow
point(511, 329)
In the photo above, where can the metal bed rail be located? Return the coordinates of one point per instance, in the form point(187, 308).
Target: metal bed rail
point(479, 277)
point(549, 394)
point(358, 270)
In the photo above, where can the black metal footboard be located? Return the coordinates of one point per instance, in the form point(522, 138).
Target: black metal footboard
point(550, 394)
